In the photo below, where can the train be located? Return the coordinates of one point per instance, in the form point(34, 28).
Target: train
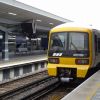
point(73, 50)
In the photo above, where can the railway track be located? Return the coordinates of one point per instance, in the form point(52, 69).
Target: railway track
point(26, 90)
point(43, 91)
point(59, 92)
point(29, 88)
point(54, 91)
point(24, 78)
point(63, 90)
point(35, 87)
point(8, 86)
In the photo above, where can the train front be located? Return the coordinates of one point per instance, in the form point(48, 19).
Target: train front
point(68, 53)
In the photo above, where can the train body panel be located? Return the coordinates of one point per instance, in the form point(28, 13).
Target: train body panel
point(80, 71)
point(72, 51)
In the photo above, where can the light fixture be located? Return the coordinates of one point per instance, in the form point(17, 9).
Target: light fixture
point(38, 20)
point(51, 23)
point(1, 36)
point(10, 13)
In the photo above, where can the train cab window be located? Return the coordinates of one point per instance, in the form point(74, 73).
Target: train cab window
point(71, 44)
point(58, 41)
point(78, 41)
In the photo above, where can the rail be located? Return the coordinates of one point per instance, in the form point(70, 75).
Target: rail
point(28, 89)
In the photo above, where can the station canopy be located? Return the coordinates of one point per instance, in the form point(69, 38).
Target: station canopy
point(14, 12)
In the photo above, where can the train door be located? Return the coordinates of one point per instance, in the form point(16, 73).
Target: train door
point(96, 56)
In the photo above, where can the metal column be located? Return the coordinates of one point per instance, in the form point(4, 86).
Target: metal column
point(5, 53)
point(1, 75)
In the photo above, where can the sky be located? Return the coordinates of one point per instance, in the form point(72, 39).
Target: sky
point(86, 11)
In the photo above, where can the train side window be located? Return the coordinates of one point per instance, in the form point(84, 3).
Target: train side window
point(98, 44)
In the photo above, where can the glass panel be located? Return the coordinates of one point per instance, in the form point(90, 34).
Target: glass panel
point(22, 43)
point(78, 41)
point(69, 44)
point(58, 41)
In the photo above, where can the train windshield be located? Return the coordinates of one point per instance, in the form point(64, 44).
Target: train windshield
point(70, 43)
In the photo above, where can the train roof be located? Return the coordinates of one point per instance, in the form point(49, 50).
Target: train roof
point(73, 24)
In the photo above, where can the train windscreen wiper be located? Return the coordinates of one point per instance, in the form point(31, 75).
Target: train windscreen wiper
point(74, 46)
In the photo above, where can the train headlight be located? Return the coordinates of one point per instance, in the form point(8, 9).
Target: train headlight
point(82, 61)
point(53, 60)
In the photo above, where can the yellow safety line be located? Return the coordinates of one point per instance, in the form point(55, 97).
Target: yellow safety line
point(93, 93)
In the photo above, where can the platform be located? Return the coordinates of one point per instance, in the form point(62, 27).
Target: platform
point(22, 60)
point(22, 66)
point(88, 90)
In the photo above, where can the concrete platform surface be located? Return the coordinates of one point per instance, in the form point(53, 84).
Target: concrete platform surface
point(88, 90)
point(22, 60)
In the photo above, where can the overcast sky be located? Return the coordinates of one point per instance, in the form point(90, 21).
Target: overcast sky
point(77, 10)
